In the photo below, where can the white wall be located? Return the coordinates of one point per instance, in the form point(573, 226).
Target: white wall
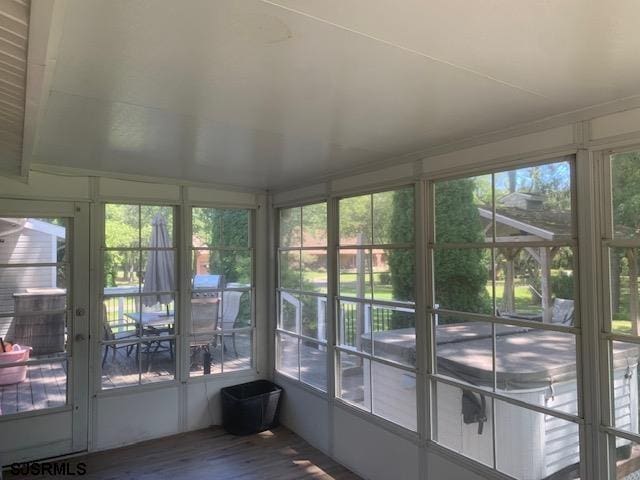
point(366, 444)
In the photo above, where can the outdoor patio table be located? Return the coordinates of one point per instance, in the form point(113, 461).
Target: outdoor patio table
point(154, 323)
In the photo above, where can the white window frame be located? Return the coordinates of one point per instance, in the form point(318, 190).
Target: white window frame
point(188, 277)
point(604, 239)
point(298, 336)
point(98, 328)
point(432, 310)
point(371, 357)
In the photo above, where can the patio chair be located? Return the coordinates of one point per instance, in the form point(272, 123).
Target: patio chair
point(125, 332)
point(204, 323)
point(229, 319)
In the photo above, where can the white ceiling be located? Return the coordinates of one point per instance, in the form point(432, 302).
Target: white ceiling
point(267, 94)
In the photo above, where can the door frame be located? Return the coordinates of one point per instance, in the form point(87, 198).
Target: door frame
point(35, 431)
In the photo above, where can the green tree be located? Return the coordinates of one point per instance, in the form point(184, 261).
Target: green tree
point(402, 262)
point(625, 180)
point(228, 228)
point(460, 274)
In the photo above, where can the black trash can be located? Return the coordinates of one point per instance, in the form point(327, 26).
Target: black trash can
point(250, 407)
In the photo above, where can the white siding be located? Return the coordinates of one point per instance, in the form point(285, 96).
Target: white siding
point(26, 246)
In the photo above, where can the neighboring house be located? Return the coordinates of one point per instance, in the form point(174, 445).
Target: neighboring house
point(26, 240)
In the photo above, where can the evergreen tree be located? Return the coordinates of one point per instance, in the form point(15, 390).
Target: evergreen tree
point(460, 274)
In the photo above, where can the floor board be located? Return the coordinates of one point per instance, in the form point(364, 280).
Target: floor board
point(213, 454)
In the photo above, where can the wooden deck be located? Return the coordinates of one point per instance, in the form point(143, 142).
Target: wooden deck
point(125, 370)
point(211, 453)
point(45, 387)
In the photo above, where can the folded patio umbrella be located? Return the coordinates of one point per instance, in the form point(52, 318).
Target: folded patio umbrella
point(160, 275)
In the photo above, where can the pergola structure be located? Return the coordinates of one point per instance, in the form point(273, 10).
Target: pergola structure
point(520, 217)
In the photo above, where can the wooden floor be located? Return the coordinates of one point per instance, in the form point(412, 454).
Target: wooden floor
point(214, 454)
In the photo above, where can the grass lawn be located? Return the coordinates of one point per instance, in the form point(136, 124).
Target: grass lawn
point(621, 326)
point(523, 296)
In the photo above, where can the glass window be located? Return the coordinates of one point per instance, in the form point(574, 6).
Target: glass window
point(302, 294)
point(626, 459)
point(504, 319)
point(222, 331)
point(375, 311)
point(35, 315)
point(621, 247)
point(138, 321)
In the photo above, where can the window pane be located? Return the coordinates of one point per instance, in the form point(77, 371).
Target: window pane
point(237, 351)
point(33, 240)
point(625, 182)
point(290, 273)
point(355, 273)
point(158, 271)
point(354, 384)
point(355, 325)
point(470, 433)
point(394, 274)
point(28, 388)
point(313, 364)
point(534, 203)
point(532, 445)
point(394, 334)
point(202, 338)
point(157, 316)
point(314, 271)
point(463, 279)
point(235, 310)
point(290, 312)
point(290, 227)
point(394, 394)
point(207, 227)
point(314, 225)
point(464, 210)
point(536, 284)
point(624, 379)
point(287, 347)
point(121, 365)
point(156, 225)
point(217, 227)
point(220, 268)
point(235, 225)
point(625, 300)
point(205, 354)
point(538, 367)
point(356, 221)
point(207, 270)
point(158, 361)
point(314, 316)
point(464, 349)
point(627, 458)
point(120, 319)
point(122, 271)
point(228, 352)
point(393, 217)
point(122, 226)
point(31, 289)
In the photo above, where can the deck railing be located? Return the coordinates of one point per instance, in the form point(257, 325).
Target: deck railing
point(376, 319)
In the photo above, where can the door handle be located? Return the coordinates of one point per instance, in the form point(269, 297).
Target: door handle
point(80, 312)
point(79, 337)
